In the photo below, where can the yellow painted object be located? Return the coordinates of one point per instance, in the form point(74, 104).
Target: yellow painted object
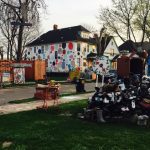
point(93, 76)
point(74, 74)
point(52, 82)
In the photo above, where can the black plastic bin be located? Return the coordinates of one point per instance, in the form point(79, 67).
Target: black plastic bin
point(80, 85)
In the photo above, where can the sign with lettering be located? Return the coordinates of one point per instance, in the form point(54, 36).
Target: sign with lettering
point(6, 77)
point(20, 65)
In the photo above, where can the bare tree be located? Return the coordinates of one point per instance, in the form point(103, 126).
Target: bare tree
point(29, 35)
point(26, 12)
point(119, 19)
point(142, 19)
point(7, 31)
point(89, 27)
point(98, 38)
point(1, 52)
point(98, 35)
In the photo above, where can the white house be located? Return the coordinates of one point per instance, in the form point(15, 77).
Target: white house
point(67, 48)
point(64, 49)
point(111, 49)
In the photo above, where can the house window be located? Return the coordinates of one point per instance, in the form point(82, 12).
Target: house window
point(34, 49)
point(84, 63)
point(88, 49)
point(112, 52)
point(46, 47)
point(112, 43)
point(78, 62)
point(42, 48)
point(78, 46)
point(84, 50)
point(56, 55)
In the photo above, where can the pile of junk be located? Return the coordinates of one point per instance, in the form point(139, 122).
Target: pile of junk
point(121, 99)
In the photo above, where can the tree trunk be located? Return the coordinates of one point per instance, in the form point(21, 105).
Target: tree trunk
point(19, 51)
point(11, 49)
point(8, 48)
point(98, 49)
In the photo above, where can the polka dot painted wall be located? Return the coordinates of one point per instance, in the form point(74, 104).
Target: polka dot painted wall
point(61, 57)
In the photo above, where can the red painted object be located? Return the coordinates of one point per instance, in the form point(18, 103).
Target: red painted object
point(45, 93)
point(127, 65)
point(70, 45)
point(29, 71)
point(145, 105)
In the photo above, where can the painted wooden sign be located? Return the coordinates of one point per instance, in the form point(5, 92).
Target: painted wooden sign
point(19, 75)
point(101, 65)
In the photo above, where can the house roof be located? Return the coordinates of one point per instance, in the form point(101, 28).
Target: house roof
point(128, 45)
point(61, 35)
point(91, 55)
point(145, 46)
point(115, 57)
point(134, 46)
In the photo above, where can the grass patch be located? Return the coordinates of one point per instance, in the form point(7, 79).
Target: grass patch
point(22, 101)
point(33, 99)
point(8, 85)
point(69, 94)
point(59, 129)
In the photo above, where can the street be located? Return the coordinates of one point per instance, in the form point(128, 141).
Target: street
point(25, 92)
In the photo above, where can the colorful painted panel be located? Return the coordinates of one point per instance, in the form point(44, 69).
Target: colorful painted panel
point(36, 52)
point(61, 58)
point(19, 75)
point(6, 77)
point(101, 65)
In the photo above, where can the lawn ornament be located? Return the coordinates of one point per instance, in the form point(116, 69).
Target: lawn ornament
point(101, 66)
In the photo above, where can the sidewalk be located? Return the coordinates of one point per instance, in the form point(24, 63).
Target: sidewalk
point(14, 108)
point(25, 92)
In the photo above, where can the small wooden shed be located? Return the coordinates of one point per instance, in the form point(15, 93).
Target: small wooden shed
point(127, 64)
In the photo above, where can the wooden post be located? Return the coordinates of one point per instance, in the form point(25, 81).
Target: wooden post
point(102, 80)
point(96, 80)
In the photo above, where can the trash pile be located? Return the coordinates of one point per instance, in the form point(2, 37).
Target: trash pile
point(121, 99)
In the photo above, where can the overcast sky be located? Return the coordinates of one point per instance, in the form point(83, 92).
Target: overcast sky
point(66, 13)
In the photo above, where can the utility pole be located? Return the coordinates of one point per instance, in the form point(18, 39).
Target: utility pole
point(21, 28)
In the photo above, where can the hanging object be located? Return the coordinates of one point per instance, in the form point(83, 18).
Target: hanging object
point(39, 51)
point(70, 45)
point(63, 45)
point(101, 66)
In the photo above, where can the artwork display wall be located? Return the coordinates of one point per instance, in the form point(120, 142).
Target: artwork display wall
point(19, 75)
point(61, 57)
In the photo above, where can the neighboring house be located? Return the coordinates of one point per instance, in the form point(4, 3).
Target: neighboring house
point(127, 47)
point(130, 46)
point(134, 48)
point(64, 49)
point(111, 48)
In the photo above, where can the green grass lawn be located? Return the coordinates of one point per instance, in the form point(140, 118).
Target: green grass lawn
point(59, 129)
